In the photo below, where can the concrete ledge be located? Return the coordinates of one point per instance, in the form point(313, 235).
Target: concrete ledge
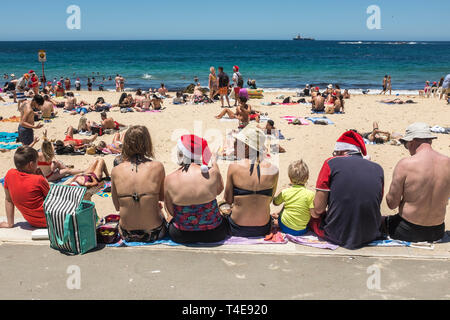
point(21, 234)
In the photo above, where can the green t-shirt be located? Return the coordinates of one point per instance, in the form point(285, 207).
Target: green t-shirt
point(297, 202)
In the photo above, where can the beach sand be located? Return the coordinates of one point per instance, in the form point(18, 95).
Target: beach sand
point(312, 143)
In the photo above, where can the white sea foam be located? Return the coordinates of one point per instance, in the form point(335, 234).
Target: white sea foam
point(351, 91)
point(147, 76)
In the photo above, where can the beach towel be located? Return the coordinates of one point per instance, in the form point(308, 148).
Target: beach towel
point(399, 243)
point(2, 181)
point(229, 241)
point(298, 121)
point(316, 120)
point(11, 119)
point(310, 239)
point(105, 192)
point(9, 146)
point(62, 180)
point(438, 129)
point(323, 112)
point(226, 119)
point(7, 103)
point(8, 137)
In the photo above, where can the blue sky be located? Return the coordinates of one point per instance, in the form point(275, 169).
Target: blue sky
point(232, 19)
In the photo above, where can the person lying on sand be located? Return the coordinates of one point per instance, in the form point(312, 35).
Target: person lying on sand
point(397, 101)
point(114, 148)
point(109, 123)
point(76, 143)
point(91, 177)
point(380, 137)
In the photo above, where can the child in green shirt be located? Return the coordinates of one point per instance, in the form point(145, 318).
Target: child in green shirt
point(298, 201)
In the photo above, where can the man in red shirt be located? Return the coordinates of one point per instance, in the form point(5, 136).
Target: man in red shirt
point(25, 189)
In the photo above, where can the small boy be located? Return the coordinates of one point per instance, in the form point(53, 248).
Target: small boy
point(298, 201)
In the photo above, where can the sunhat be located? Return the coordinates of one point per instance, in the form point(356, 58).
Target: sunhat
point(330, 86)
point(418, 130)
point(13, 75)
point(253, 137)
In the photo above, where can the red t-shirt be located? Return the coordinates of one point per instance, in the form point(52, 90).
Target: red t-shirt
point(28, 192)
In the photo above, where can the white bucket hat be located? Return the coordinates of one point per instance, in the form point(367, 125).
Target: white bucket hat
point(418, 130)
point(253, 137)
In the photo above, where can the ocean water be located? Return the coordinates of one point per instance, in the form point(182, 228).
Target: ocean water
point(275, 65)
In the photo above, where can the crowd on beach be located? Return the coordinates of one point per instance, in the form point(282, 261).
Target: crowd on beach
point(345, 208)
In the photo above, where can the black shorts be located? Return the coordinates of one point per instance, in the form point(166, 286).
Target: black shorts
point(26, 135)
point(244, 231)
point(400, 229)
point(208, 236)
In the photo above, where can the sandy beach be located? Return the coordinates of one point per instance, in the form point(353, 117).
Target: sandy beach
point(312, 143)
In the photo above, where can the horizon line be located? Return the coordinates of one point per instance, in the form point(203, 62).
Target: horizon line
point(86, 40)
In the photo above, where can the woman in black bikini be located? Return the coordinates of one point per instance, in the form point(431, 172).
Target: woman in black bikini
point(137, 187)
point(251, 185)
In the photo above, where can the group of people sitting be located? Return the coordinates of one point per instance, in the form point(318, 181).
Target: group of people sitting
point(345, 209)
point(329, 101)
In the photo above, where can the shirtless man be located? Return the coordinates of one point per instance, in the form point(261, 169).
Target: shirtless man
point(163, 91)
point(420, 189)
point(48, 108)
point(26, 125)
point(318, 103)
point(109, 123)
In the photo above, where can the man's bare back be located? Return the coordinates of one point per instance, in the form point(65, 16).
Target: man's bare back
point(425, 181)
point(47, 109)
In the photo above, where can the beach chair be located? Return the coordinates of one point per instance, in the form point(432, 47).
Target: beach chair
point(71, 221)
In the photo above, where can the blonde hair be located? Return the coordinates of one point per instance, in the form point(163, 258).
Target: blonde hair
point(298, 172)
point(137, 142)
point(212, 70)
point(82, 124)
point(47, 150)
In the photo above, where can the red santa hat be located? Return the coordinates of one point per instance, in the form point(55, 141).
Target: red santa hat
point(195, 148)
point(351, 141)
point(31, 72)
point(236, 68)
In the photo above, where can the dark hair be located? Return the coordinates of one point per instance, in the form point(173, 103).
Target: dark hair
point(103, 114)
point(100, 100)
point(337, 86)
point(46, 98)
point(69, 94)
point(220, 68)
point(243, 99)
point(23, 156)
point(271, 122)
point(139, 92)
point(162, 85)
point(122, 97)
point(38, 99)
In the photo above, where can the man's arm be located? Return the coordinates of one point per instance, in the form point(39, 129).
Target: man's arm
point(320, 203)
point(395, 195)
point(9, 208)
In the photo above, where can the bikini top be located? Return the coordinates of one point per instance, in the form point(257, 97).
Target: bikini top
point(243, 192)
point(44, 163)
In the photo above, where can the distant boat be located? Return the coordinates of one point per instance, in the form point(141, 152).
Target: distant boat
point(299, 37)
